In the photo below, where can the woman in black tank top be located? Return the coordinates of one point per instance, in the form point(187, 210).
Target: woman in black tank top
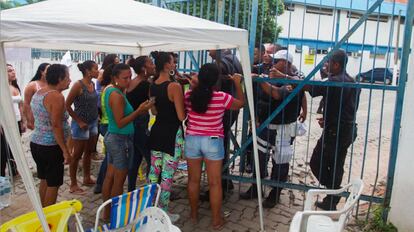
point(166, 140)
point(137, 93)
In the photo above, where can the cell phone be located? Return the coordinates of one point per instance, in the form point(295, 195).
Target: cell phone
point(188, 76)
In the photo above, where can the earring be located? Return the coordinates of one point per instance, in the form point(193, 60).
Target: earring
point(172, 73)
point(145, 72)
point(116, 83)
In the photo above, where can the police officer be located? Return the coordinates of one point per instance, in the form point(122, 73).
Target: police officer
point(276, 139)
point(339, 128)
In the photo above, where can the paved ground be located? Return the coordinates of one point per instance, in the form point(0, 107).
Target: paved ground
point(243, 215)
point(369, 159)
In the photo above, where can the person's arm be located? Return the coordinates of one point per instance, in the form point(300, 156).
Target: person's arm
point(175, 93)
point(238, 102)
point(275, 92)
point(117, 104)
point(303, 115)
point(23, 125)
point(29, 91)
point(73, 93)
point(55, 105)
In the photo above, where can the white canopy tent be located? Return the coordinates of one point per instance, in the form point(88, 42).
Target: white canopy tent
point(121, 26)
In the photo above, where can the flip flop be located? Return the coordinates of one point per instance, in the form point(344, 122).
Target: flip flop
point(78, 191)
point(90, 182)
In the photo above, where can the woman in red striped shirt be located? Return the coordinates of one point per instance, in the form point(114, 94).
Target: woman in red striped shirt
point(204, 136)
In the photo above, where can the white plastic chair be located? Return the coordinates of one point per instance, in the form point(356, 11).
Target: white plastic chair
point(154, 219)
point(310, 220)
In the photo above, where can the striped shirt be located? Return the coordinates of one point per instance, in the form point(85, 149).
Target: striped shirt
point(209, 123)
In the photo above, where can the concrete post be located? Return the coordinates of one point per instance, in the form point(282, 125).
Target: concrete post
point(402, 201)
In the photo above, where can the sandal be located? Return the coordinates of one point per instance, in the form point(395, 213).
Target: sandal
point(77, 191)
point(90, 182)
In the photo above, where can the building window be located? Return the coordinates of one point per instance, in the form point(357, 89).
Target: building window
point(313, 51)
point(372, 17)
point(319, 10)
point(298, 48)
point(290, 7)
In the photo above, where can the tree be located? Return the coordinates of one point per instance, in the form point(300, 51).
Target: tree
point(266, 29)
point(12, 4)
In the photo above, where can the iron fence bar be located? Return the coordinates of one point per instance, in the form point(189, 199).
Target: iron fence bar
point(244, 13)
point(408, 28)
point(327, 83)
point(311, 99)
point(236, 14)
point(194, 62)
point(300, 187)
point(208, 9)
point(308, 77)
point(356, 99)
point(360, 69)
point(378, 153)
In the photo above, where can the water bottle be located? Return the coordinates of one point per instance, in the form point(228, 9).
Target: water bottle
point(1, 193)
point(5, 192)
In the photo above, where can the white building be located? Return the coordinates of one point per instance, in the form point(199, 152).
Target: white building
point(310, 28)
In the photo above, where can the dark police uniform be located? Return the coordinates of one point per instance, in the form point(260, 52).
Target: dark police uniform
point(264, 106)
point(339, 132)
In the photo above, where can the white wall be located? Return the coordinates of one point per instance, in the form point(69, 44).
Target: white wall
point(327, 25)
point(402, 200)
point(355, 65)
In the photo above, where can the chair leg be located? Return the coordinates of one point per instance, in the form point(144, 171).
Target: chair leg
point(79, 226)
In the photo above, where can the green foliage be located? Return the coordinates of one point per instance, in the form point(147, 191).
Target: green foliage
point(266, 29)
point(376, 222)
point(6, 5)
point(12, 4)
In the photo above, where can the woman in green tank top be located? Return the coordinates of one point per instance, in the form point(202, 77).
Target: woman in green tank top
point(119, 138)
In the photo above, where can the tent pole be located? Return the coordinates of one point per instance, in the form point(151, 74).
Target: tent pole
point(244, 58)
point(12, 135)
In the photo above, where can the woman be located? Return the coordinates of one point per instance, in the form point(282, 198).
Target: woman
point(137, 93)
point(166, 139)
point(6, 155)
point(205, 134)
point(16, 97)
point(119, 138)
point(51, 128)
point(103, 124)
point(37, 82)
point(110, 59)
point(84, 123)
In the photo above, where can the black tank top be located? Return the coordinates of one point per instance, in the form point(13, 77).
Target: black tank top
point(164, 130)
point(139, 94)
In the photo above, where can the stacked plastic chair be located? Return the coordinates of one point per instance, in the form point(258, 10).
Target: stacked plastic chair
point(57, 217)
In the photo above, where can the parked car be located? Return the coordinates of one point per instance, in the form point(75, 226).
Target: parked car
point(376, 75)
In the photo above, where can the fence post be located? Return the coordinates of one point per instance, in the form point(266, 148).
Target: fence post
point(408, 29)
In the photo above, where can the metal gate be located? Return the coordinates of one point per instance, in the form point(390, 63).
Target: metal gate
point(368, 31)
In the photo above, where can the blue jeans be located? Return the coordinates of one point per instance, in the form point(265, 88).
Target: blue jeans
point(103, 128)
point(119, 148)
point(141, 150)
point(207, 147)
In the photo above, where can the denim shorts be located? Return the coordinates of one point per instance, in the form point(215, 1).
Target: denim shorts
point(208, 147)
point(118, 149)
point(80, 134)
